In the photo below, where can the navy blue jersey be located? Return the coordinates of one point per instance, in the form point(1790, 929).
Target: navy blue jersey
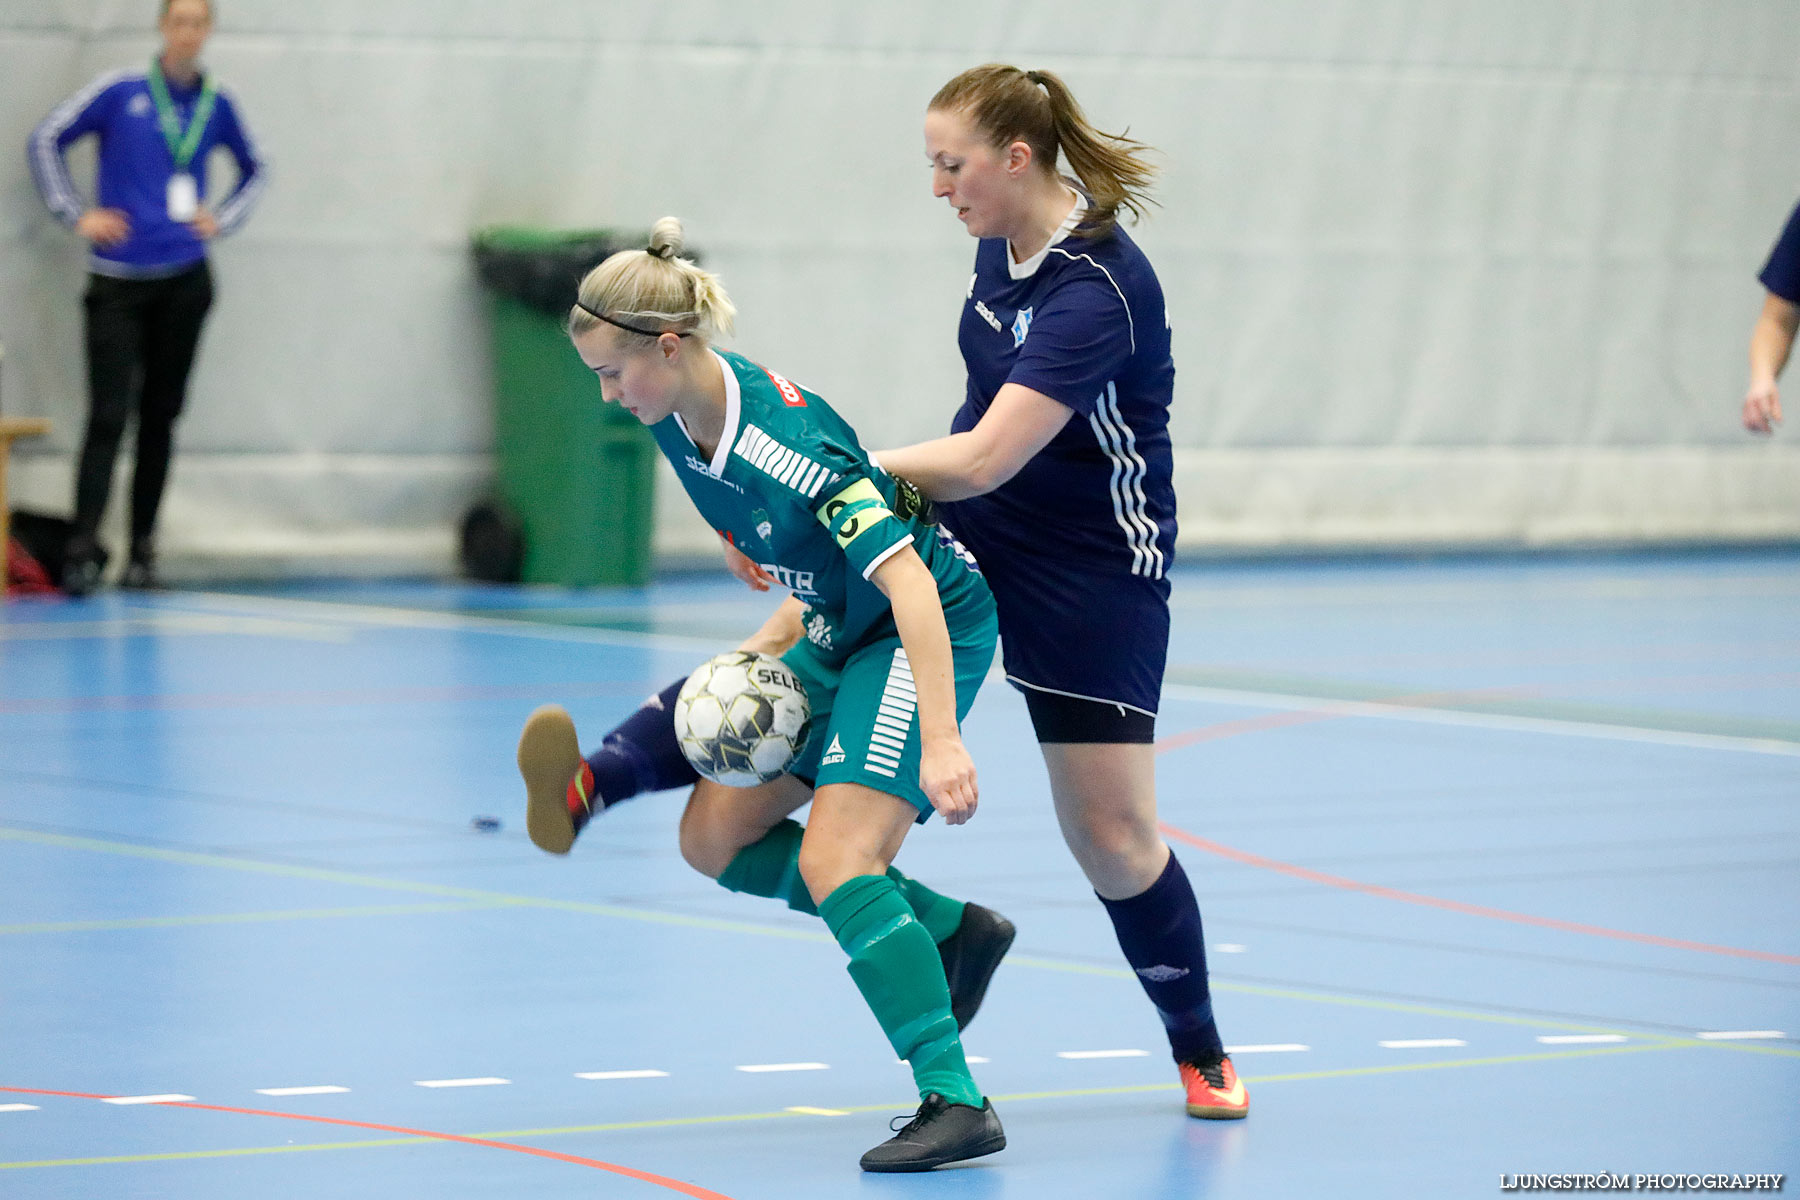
point(1082, 323)
point(1782, 273)
point(135, 166)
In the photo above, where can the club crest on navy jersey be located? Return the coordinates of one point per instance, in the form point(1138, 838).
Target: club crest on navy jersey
point(1021, 327)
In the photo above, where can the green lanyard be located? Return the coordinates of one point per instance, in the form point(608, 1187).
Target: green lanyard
point(181, 146)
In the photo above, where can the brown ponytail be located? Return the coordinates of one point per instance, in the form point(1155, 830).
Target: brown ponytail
point(1036, 107)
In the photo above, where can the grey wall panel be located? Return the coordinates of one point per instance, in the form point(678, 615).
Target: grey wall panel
point(1450, 271)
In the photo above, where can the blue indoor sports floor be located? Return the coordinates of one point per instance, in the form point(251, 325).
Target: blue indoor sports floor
point(1499, 859)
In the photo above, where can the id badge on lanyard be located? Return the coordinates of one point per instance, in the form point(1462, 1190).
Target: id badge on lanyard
point(184, 190)
point(184, 197)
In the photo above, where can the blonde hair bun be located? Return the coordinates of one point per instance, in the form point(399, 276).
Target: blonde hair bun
point(666, 238)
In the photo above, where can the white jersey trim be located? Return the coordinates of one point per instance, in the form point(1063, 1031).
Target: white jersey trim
point(1028, 268)
point(47, 162)
point(237, 206)
point(892, 550)
point(734, 409)
point(1130, 322)
point(1131, 507)
point(1024, 683)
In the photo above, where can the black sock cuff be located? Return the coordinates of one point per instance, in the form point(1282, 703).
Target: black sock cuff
point(1170, 883)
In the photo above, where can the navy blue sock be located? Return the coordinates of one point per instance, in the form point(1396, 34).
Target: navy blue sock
point(1159, 931)
point(641, 754)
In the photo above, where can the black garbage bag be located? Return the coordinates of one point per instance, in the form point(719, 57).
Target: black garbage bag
point(540, 270)
point(493, 543)
point(44, 537)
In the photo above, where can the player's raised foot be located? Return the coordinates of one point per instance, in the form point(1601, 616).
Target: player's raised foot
point(1214, 1091)
point(971, 955)
point(940, 1132)
point(558, 786)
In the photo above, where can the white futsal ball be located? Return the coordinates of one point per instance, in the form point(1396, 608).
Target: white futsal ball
point(742, 718)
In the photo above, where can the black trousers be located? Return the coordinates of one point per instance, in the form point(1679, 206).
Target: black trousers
point(141, 338)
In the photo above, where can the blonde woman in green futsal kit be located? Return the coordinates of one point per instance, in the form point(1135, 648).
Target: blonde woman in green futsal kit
point(899, 633)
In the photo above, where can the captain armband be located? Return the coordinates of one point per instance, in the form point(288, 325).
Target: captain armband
point(853, 511)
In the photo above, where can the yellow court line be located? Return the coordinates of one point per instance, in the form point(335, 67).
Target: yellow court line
point(247, 918)
point(352, 879)
point(482, 899)
point(1012, 1098)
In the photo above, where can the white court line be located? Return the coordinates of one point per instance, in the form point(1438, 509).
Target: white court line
point(366, 616)
point(621, 1074)
point(1230, 948)
point(1739, 1035)
point(761, 1068)
point(1426, 715)
point(1582, 1039)
point(817, 1112)
point(169, 1098)
point(171, 624)
point(323, 1089)
point(1271, 1048)
point(480, 1081)
point(18, 1108)
point(1103, 1054)
point(1422, 1043)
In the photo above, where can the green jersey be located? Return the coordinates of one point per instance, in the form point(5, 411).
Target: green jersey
point(792, 488)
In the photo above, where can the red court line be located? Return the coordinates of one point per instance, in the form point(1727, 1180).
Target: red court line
point(1457, 906)
point(674, 1185)
point(1225, 729)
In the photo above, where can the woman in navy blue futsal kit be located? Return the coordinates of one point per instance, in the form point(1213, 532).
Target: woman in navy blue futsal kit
point(1057, 475)
point(149, 287)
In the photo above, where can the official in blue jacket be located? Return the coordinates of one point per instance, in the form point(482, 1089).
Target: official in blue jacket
point(149, 286)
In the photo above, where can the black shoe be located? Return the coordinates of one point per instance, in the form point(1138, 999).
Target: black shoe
point(82, 563)
point(940, 1132)
point(971, 955)
point(140, 575)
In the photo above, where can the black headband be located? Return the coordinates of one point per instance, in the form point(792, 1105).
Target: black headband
point(637, 329)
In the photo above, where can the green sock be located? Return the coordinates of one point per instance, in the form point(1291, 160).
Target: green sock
point(897, 969)
point(940, 915)
point(771, 868)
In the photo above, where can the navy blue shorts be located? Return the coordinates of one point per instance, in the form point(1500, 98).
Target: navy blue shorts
point(1091, 636)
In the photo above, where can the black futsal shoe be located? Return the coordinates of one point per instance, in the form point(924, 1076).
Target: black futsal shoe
point(141, 575)
point(971, 955)
point(83, 561)
point(940, 1132)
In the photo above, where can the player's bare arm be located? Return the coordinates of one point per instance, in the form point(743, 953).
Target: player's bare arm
point(1020, 423)
point(1770, 344)
point(785, 626)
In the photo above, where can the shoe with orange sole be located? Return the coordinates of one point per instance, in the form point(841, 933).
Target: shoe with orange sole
point(1215, 1092)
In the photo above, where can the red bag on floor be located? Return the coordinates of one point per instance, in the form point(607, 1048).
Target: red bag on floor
point(25, 576)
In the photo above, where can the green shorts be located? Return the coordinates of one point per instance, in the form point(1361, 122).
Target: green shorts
point(865, 720)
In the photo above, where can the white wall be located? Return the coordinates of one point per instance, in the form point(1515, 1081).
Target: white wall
point(1447, 271)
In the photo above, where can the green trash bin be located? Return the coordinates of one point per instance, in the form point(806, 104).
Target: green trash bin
point(579, 475)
